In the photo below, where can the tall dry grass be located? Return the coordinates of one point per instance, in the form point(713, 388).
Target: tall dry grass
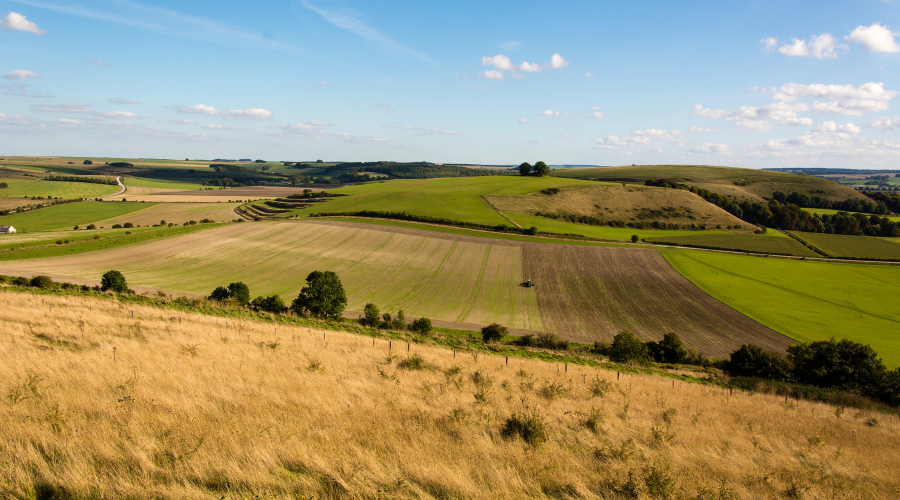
point(177, 405)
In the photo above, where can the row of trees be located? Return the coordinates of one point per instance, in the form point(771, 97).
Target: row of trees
point(540, 169)
point(373, 318)
point(76, 178)
point(226, 182)
point(804, 200)
point(322, 297)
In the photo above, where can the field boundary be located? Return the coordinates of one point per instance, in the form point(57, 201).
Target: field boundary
point(514, 223)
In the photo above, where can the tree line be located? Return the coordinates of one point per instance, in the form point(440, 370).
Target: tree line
point(74, 178)
point(853, 205)
point(540, 169)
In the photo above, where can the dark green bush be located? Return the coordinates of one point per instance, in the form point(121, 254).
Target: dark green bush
point(272, 304)
point(626, 347)
point(421, 326)
point(113, 281)
point(41, 282)
point(526, 424)
point(493, 332)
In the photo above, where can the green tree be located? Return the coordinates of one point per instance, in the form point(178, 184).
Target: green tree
point(239, 292)
point(220, 294)
point(634, 238)
point(493, 332)
point(400, 320)
point(525, 169)
point(669, 350)
point(370, 315)
point(88, 162)
point(41, 282)
point(421, 326)
point(541, 169)
point(753, 361)
point(531, 231)
point(836, 363)
point(114, 281)
point(626, 347)
point(323, 296)
point(272, 304)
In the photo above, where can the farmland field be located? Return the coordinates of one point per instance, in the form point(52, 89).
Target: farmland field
point(178, 213)
point(804, 300)
point(451, 198)
point(741, 243)
point(824, 211)
point(859, 247)
point(601, 232)
point(583, 293)
point(162, 184)
point(70, 215)
point(19, 188)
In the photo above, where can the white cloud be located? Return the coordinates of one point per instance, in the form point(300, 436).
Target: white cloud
point(421, 132)
point(17, 22)
point(248, 114)
point(21, 74)
point(69, 121)
point(492, 74)
point(876, 38)
point(119, 100)
point(220, 127)
point(213, 126)
point(695, 128)
point(855, 107)
point(711, 148)
point(184, 122)
point(655, 134)
point(777, 111)
point(796, 122)
point(499, 61)
point(596, 114)
point(832, 128)
point(548, 112)
point(755, 126)
point(537, 141)
point(886, 123)
point(769, 43)
point(698, 111)
point(530, 67)
point(98, 62)
point(821, 47)
point(83, 109)
point(557, 61)
point(611, 141)
point(510, 46)
point(590, 75)
point(791, 91)
point(523, 120)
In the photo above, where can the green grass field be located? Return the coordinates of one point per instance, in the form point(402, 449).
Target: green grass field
point(801, 299)
point(70, 215)
point(824, 211)
point(857, 247)
point(601, 232)
point(453, 198)
point(173, 184)
point(66, 190)
point(740, 243)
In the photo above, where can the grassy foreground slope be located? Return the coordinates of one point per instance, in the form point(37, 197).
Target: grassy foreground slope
point(175, 405)
point(804, 300)
point(450, 198)
point(755, 184)
point(70, 215)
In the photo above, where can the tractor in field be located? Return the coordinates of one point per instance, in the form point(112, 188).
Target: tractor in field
point(528, 284)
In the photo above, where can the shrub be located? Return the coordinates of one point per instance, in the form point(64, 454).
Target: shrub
point(626, 347)
point(493, 332)
point(836, 363)
point(399, 321)
point(117, 226)
point(414, 362)
point(526, 424)
point(88, 162)
point(128, 225)
point(370, 315)
point(219, 294)
point(524, 341)
point(634, 238)
point(752, 361)
point(669, 350)
point(113, 281)
point(272, 304)
point(91, 226)
point(21, 281)
point(41, 282)
point(239, 292)
point(421, 326)
point(531, 231)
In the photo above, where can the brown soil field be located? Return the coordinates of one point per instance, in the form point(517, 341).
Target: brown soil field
point(583, 293)
point(178, 213)
point(177, 405)
point(627, 203)
point(596, 292)
point(7, 203)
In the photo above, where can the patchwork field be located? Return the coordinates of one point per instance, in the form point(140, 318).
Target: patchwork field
point(601, 232)
point(451, 198)
point(625, 203)
point(70, 215)
point(804, 300)
point(583, 293)
point(178, 213)
point(742, 183)
point(175, 405)
point(859, 247)
point(740, 243)
point(824, 211)
point(19, 188)
point(254, 192)
point(140, 185)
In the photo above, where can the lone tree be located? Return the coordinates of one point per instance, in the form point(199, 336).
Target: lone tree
point(493, 332)
point(525, 169)
point(634, 238)
point(541, 169)
point(323, 296)
point(113, 280)
point(88, 162)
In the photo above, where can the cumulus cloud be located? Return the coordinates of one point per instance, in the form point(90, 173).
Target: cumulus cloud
point(698, 111)
point(548, 112)
point(17, 22)
point(246, 114)
point(695, 128)
point(781, 111)
point(792, 91)
point(611, 141)
point(796, 122)
point(832, 128)
point(21, 74)
point(503, 64)
point(596, 114)
point(523, 120)
point(876, 38)
point(557, 61)
point(492, 74)
point(755, 126)
point(769, 43)
point(886, 123)
point(655, 134)
point(821, 47)
point(119, 100)
point(499, 61)
point(530, 67)
point(706, 148)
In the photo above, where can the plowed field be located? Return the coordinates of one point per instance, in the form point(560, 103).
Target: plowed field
point(583, 293)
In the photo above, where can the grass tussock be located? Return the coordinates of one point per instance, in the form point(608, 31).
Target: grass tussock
point(160, 406)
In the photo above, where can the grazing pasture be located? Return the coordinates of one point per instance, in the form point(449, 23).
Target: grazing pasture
point(71, 214)
point(583, 293)
point(175, 405)
point(740, 243)
point(858, 247)
point(804, 300)
point(19, 188)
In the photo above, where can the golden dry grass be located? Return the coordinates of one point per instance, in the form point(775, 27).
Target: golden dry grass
point(615, 202)
point(177, 405)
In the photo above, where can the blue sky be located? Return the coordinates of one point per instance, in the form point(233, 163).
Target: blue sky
point(754, 84)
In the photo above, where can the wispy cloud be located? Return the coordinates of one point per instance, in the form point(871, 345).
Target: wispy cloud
point(349, 20)
point(98, 62)
point(169, 22)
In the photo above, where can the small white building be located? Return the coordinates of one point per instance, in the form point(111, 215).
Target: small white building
point(7, 230)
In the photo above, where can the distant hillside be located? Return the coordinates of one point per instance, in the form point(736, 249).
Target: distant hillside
point(620, 203)
point(741, 183)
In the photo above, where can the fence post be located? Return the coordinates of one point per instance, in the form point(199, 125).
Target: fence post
point(114, 355)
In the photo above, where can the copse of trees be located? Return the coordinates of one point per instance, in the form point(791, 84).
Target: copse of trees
point(74, 178)
point(891, 201)
point(540, 169)
point(525, 168)
point(373, 318)
point(224, 182)
point(272, 304)
point(853, 205)
point(238, 291)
